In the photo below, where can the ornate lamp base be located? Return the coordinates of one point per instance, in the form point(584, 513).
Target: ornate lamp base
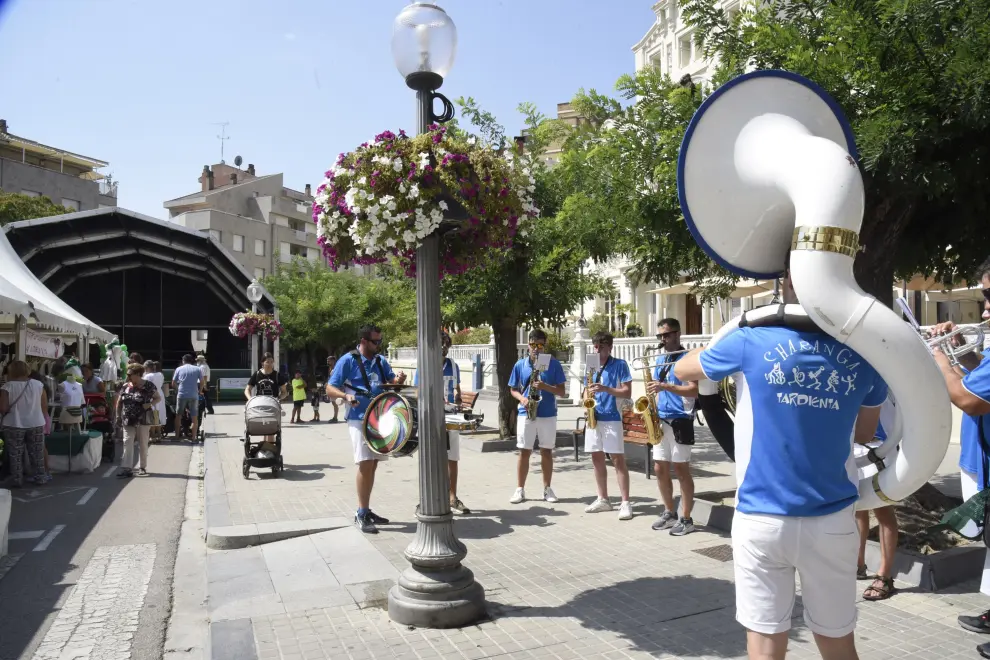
point(436, 591)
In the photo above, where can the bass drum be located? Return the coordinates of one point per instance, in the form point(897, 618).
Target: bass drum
point(391, 425)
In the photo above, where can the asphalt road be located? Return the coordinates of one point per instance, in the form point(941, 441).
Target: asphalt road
point(121, 534)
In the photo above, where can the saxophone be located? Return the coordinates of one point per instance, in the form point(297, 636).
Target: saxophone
point(646, 405)
point(534, 395)
point(589, 403)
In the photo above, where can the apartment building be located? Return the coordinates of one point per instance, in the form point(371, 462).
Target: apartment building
point(259, 220)
point(670, 46)
point(70, 179)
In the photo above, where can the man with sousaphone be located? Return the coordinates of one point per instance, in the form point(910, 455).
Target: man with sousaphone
point(536, 382)
point(357, 378)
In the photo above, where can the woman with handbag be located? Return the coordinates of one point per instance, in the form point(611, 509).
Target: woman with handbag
point(23, 403)
point(135, 412)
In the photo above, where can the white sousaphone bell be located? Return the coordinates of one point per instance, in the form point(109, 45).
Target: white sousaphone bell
point(768, 166)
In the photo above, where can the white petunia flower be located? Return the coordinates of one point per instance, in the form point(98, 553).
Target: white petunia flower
point(397, 165)
point(390, 242)
point(408, 237)
point(442, 205)
point(413, 191)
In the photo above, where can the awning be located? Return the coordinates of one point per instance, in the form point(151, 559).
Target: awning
point(744, 288)
point(23, 294)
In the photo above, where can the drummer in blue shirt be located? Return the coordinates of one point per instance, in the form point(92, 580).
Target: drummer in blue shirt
point(452, 394)
point(609, 381)
point(358, 378)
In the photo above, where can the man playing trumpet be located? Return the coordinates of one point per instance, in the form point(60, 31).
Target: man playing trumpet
point(969, 390)
point(675, 403)
point(527, 382)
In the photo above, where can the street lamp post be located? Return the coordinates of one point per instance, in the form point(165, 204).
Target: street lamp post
point(254, 294)
point(436, 591)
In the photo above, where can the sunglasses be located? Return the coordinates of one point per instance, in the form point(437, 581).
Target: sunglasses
point(376, 342)
point(663, 335)
point(536, 345)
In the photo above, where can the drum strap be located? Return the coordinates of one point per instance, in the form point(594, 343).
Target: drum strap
point(364, 373)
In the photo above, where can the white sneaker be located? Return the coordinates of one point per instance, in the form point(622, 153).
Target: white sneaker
point(549, 495)
point(518, 496)
point(599, 505)
point(625, 510)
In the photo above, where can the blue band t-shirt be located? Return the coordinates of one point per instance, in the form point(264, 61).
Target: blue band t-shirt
point(347, 376)
point(614, 374)
point(669, 404)
point(977, 383)
point(554, 375)
point(795, 417)
point(451, 376)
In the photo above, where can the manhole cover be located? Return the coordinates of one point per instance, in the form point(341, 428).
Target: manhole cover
point(718, 552)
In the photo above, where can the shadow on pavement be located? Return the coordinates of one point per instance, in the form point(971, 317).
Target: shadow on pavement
point(681, 616)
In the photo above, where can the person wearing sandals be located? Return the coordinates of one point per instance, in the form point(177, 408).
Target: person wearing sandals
point(969, 390)
point(882, 585)
point(135, 403)
point(23, 403)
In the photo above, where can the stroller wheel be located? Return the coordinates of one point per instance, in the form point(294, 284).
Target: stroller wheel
point(275, 470)
point(245, 468)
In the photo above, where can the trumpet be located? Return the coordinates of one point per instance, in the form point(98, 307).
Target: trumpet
point(945, 343)
point(646, 405)
point(589, 403)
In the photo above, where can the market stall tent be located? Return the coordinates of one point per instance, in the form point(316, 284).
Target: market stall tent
point(22, 295)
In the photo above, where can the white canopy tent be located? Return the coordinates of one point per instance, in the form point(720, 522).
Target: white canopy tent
point(25, 301)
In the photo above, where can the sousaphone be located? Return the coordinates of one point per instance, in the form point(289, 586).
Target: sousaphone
point(768, 166)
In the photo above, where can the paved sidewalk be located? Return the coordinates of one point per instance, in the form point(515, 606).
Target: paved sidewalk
point(560, 583)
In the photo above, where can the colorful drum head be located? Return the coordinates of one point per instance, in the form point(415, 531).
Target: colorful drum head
point(391, 425)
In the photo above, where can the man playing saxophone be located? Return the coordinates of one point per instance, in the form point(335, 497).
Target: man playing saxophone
point(526, 383)
point(675, 403)
point(612, 380)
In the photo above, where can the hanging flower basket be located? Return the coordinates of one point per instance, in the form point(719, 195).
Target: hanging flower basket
point(384, 198)
point(245, 324)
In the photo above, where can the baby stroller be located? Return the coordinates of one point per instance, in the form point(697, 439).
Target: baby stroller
point(262, 416)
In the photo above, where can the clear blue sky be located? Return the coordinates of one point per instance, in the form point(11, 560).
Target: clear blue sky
point(140, 83)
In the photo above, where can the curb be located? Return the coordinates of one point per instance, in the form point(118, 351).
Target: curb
point(234, 537)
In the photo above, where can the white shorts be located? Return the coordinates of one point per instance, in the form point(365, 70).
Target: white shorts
point(606, 437)
point(529, 431)
point(669, 450)
point(362, 452)
point(454, 453)
point(768, 550)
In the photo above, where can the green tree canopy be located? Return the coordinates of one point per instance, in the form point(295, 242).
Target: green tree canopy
point(14, 207)
point(539, 281)
point(321, 308)
point(620, 174)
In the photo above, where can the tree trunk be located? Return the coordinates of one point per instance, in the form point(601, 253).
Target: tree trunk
point(506, 355)
point(884, 223)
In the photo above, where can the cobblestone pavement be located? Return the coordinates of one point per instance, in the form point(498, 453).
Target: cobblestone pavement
point(560, 583)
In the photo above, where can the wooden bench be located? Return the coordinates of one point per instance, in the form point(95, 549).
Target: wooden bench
point(633, 432)
point(469, 398)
